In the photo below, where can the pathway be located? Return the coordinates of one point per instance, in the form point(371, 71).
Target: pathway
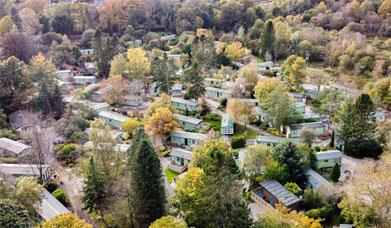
point(167, 187)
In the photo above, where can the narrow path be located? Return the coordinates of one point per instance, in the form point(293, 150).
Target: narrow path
point(73, 186)
point(167, 187)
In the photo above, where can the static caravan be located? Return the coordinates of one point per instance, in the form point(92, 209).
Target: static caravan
point(227, 125)
point(176, 90)
point(84, 80)
point(327, 159)
point(183, 138)
point(182, 104)
point(180, 159)
point(294, 130)
point(87, 52)
point(112, 118)
point(11, 148)
point(64, 75)
point(133, 100)
point(217, 93)
point(214, 82)
point(272, 141)
point(188, 123)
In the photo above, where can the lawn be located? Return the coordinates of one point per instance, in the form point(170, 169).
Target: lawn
point(170, 175)
point(250, 133)
point(214, 120)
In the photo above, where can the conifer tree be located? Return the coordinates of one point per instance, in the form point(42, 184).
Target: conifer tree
point(57, 102)
point(93, 190)
point(335, 173)
point(267, 39)
point(105, 48)
point(43, 103)
point(163, 72)
point(146, 193)
point(194, 81)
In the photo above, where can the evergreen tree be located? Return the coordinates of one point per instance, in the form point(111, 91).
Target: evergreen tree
point(335, 173)
point(57, 102)
point(194, 81)
point(93, 190)
point(293, 160)
point(105, 48)
point(267, 39)
point(15, 17)
point(146, 193)
point(332, 141)
point(163, 72)
point(43, 103)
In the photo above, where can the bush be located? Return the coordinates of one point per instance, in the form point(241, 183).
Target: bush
point(78, 137)
point(50, 186)
point(293, 187)
point(317, 148)
point(9, 133)
point(238, 141)
point(223, 102)
point(325, 212)
point(60, 195)
point(312, 199)
point(81, 123)
point(68, 153)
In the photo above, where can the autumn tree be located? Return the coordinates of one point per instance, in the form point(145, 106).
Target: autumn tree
point(239, 110)
point(65, 220)
point(264, 87)
point(294, 70)
point(168, 221)
point(115, 89)
point(250, 75)
point(144, 170)
point(42, 70)
point(6, 25)
point(163, 101)
point(235, 51)
point(129, 125)
point(118, 65)
point(17, 44)
point(256, 157)
point(380, 92)
point(136, 66)
point(385, 8)
point(112, 15)
point(161, 122)
point(29, 21)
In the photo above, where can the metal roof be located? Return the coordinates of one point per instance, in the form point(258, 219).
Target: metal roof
point(316, 180)
point(308, 125)
point(50, 206)
point(260, 111)
point(183, 101)
point(214, 89)
point(13, 146)
point(97, 105)
point(283, 195)
point(22, 169)
point(181, 153)
point(18, 119)
point(177, 86)
point(187, 119)
point(84, 77)
point(113, 116)
point(330, 154)
point(226, 121)
point(188, 135)
point(274, 139)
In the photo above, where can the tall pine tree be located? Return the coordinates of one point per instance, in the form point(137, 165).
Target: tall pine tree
point(43, 103)
point(163, 72)
point(146, 193)
point(267, 39)
point(105, 48)
point(195, 82)
point(93, 190)
point(56, 102)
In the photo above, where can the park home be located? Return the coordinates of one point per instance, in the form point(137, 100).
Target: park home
point(298, 97)
point(261, 114)
point(87, 52)
point(252, 102)
point(318, 182)
point(327, 159)
point(380, 116)
point(227, 125)
point(11, 148)
point(214, 82)
point(64, 75)
point(20, 170)
point(84, 80)
point(154, 89)
point(274, 193)
point(183, 138)
point(168, 37)
point(265, 65)
point(217, 93)
point(99, 95)
point(299, 107)
point(182, 104)
point(133, 100)
point(180, 159)
point(98, 106)
point(188, 123)
point(112, 118)
point(294, 130)
point(176, 90)
point(272, 141)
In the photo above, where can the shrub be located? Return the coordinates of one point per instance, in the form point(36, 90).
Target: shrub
point(293, 187)
point(317, 148)
point(325, 212)
point(81, 123)
point(50, 186)
point(223, 102)
point(238, 141)
point(312, 199)
point(68, 153)
point(9, 133)
point(78, 137)
point(60, 195)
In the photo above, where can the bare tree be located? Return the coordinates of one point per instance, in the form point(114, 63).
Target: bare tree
point(41, 135)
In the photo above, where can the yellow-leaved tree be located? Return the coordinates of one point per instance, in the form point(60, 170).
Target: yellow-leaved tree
point(6, 25)
point(68, 220)
point(169, 222)
point(115, 89)
point(161, 122)
point(138, 64)
point(239, 110)
point(294, 70)
point(264, 87)
point(250, 75)
point(129, 125)
point(235, 51)
point(163, 101)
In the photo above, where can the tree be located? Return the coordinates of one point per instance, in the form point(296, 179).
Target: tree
point(146, 204)
point(14, 214)
point(94, 190)
point(328, 101)
point(256, 157)
point(138, 65)
point(201, 152)
point(385, 8)
point(264, 88)
point(235, 51)
point(6, 25)
point(112, 15)
point(357, 126)
point(307, 136)
point(57, 103)
point(42, 70)
point(168, 221)
point(238, 110)
point(63, 23)
point(288, 156)
point(294, 69)
point(335, 173)
point(163, 72)
point(118, 65)
point(380, 92)
point(161, 122)
point(105, 48)
point(293, 187)
point(29, 21)
point(17, 44)
point(194, 81)
point(115, 89)
point(267, 40)
point(163, 101)
point(43, 100)
point(65, 220)
point(129, 125)
point(250, 75)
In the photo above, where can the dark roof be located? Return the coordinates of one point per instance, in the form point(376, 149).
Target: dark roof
point(283, 195)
